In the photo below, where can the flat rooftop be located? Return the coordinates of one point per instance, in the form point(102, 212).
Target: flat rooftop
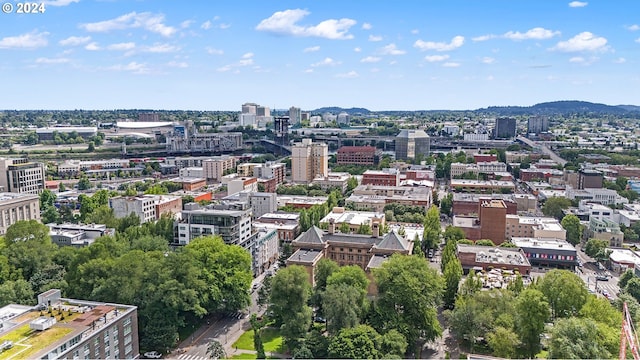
point(352, 217)
point(305, 256)
point(542, 243)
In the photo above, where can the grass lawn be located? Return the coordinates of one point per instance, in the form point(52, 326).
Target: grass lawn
point(37, 341)
point(248, 356)
point(271, 339)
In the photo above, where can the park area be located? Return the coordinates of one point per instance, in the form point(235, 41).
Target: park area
point(244, 348)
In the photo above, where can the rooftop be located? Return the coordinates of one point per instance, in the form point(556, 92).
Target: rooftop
point(624, 256)
point(498, 255)
point(351, 217)
point(543, 243)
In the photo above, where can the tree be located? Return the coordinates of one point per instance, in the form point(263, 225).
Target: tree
point(576, 338)
point(215, 350)
point(453, 233)
point(342, 306)
point(554, 206)
point(624, 278)
point(257, 336)
point(360, 342)
point(471, 284)
point(28, 247)
point(446, 204)
point(532, 312)
point(344, 228)
point(597, 249)
point(633, 288)
point(62, 187)
point(432, 229)
point(572, 225)
point(301, 352)
point(448, 254)
point(410, 284)
point(290, 292)
point(317, 343)
point(452, 275)
point(47, 199)
point(84, 183)
point(485, 242)
point(503, 342)
point(50, 215)
point(91, 147)
point(565, 292)
point(600, 310)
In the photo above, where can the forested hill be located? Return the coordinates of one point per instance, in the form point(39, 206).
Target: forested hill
point(561, 107)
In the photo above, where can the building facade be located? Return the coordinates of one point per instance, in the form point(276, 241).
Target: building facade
point(232, 223)
point(145, 207)
point(385, 177)
point(215, 168)
point(16, 207)
point(22, 176)
point(411, 143)
point(356, 155)
point(309, 160)
point(505, 128)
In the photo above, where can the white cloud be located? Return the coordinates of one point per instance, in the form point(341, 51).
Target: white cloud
point(537, 33)
point(490, 78)
point(375, 38)
point(483, 37)
point(584, 41)
point(134, 67)
point(357, 49)
point(214, 51)
point(122, 46)
point(451, 64)
point(206, 25)
point(177, 64)
point(284, 23)
point(577, 59)
point(245, 60)
point(224, 26)
point(161, 48)
point(415, 31)
point(308, 71)
point(349, 75)
point(620, 60)
point(436, 58)
point(455, 43)
point(224, 68)
point(638, 40)
point(311, 49)
point(326, 62)
point(75, 40)
point(577, 4)
point(248, 55)
point(366, 26)
point(634, 27)
point(93, 46)
point(44, 60)
point(59, 2)
point(30, 40)
point(391, 50)
point(488, 60)
point(146, 20)
point(185, 24)
point(370, 59)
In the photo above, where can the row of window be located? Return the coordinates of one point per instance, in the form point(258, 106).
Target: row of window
point(551, 256)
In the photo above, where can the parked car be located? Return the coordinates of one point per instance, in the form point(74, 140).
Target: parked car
point(602, 278)
point(152, 355)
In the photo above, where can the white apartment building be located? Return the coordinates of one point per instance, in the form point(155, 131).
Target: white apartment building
point(16, 207)
point(309, 160)
point(602, 196)
point(21, 176)
point(458, 169)
point(534, 227)
point(264, 251)
point(146, 207)
point(216, 167)
point(232, 223)
point(192, 172)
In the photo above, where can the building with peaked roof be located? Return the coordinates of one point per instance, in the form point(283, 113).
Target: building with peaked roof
point(366, 251)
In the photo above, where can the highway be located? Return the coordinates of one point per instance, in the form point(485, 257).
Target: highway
point(544, 148)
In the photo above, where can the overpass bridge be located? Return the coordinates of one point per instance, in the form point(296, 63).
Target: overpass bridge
point(544, 148)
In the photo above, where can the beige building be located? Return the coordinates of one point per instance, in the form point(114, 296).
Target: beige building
point(21, 176)
point(534, 227)
point(15, 207)
point(309, 160)
point(216, 167)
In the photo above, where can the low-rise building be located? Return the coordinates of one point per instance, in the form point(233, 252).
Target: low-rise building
point(190, 183)
point(192, 172)
point(260, 202)
point(300, 201)
point(605, 229)
point(231, 222)
point(145, 207)
point(385, 177)
point(534, 227)
point(374, 198)
point(287, 225)
point(621, 260)
point(15, 207)
point(215, 168)
point(356, 155)
point(238, 184)
point(487, 258)
point(548, 252)
point(598, 195)
point(482, 185)
point(270, 170)
point(265, 250)
point(90, 330)
point(338, 180)
point(354, 219)
point(77, 235)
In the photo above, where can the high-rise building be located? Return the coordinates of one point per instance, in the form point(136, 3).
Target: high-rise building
point(309, 160)
point(411, 143)
point(263, 111)
point(149, 117)
point(216, 167)
point(15, 207)
point(231, 222)
point(505, 128)
point(537, 124)
point(588, 178)
point(249, 108)
point(21, 176)
point(295, 115)
point(493, 220)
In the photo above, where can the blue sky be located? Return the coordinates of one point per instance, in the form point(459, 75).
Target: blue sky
point(382, 55)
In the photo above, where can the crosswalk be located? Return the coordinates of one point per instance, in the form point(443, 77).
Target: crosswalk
point(191, 357)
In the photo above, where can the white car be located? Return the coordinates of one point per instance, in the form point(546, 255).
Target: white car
point(152, 355)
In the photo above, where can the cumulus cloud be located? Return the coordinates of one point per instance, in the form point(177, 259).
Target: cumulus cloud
point(122, 46)
point(455, 43)
point(436, 58)
point(537, 33)
point(350, 75)
point(488, 60)
point(161, 48)
point(366, 26)
point(370, 59)
point(245, 60)
point(585, 41)
point(391, 50)
point(285, 23)
point(178, 64)
point(134, 67)
point(206, 25)
point(578, 4)
point(44, 60)
point(75, 40)
point(185, 24)
point(145, 20)
point(620, 60)
point(214, 51)
point(30, 40)
point(311, 49)
point(357, 49)
point(375, 38)
point(634, 27)
point(577, 59)
point(483, 38)
point(326, 62)
point(451, 64)
point(93, 46)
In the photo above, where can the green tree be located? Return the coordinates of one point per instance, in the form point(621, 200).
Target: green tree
point(532, 312)
point(554, 207)
point(448, 254)
point(503, 342)
point(344, 228)
point(47, 199)
point(342, 306)
point(215, 350)
point(572, 225)
point(28, 247)
point(257, 336)
point(91, 147)
point(290, 292)
point(50, 215)
point(360, 342)
point(624, 278)
point(485, 242)
point(393, 343)
point(446, 204)
point(576, 338)
point(432, 229)
point(633, 288)
point(471, 284)
point(84, 184)
point(453, 233)
point(452, 275)
point(565, 291)
point(597, 249)
point(301, 352)
point(600, 310)
point(408, 283)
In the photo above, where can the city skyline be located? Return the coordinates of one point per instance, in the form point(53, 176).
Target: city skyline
point(453, 55)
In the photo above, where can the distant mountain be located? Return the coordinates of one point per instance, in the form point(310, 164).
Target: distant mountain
point(561, 107)
point(337, 110)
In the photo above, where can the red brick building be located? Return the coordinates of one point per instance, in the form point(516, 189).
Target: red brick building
point(386, 177)
point(493, 220)
point(485, 157)
point(466, 204)
point(270, 185)
point(356, 155)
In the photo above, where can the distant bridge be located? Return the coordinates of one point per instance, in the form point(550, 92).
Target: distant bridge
point(544, 148)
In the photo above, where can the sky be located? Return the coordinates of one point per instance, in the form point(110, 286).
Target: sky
point(381, 55)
